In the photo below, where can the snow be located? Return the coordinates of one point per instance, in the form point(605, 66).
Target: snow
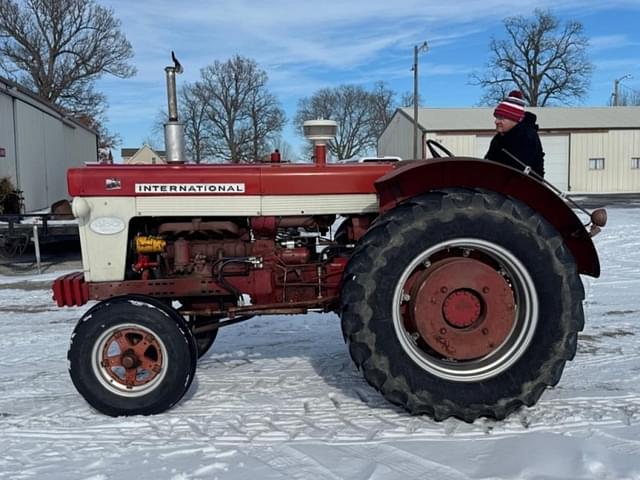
point(279, 398)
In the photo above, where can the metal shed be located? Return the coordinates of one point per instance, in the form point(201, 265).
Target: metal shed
point(38, 143)
point(587, 150)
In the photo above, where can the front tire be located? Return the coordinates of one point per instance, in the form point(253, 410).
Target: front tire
point(462, 303)
point(132, 356)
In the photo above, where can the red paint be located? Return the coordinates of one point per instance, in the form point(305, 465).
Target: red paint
point(321, 155)
point(295, 256)
point(70, 290)
point(462, 308)
point(181, 254)
point(284, 278)
point(264, 226)
point(138, 354)
point(264, 179)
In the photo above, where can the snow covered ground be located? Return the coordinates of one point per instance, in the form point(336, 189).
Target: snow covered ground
point(278, 398)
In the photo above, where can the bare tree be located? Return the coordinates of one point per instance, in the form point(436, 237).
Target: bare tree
point(406, 100)
point(361, 116)
point(266, 121)
point(242, 116)
point(193, 108)
point(382, 108)
point(286, 150)
point(546, 61)
point(58, 48)
point(627, 97)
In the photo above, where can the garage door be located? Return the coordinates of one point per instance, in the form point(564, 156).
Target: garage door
point(556, 157)
point(556, 160)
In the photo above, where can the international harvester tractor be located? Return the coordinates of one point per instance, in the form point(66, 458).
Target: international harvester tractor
point(456, 280)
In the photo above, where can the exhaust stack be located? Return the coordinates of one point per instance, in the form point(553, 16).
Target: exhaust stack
point(173, 129)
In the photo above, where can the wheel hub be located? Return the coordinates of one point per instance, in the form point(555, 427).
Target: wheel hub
point(131, 358)
point(462, 308)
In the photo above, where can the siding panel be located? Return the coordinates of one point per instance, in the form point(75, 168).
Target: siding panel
point(7, 138)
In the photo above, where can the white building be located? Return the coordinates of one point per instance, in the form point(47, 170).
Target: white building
point(142, 155)
point(38, 143)
point(587, 150)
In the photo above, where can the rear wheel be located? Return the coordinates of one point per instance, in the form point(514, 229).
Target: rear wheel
point(462, 303)
point(132, 356)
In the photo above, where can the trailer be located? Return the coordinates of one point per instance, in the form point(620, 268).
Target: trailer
point(18, 232)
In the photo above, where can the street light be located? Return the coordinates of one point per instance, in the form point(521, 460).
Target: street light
point(418, 48)
point(616, 83)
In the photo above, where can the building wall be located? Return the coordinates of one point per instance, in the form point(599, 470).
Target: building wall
point(567, 154)
point(397, 139)
point(45, 146)
point(567, 157)
point(7, 138)
point(145, 155)
point(461, 145)
point(617, 147)
point(31, 148)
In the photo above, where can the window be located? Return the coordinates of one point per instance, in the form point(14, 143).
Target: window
point(596, 164)
point(635, 163)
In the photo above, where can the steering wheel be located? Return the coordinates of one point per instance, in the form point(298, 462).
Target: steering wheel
point(434, 146)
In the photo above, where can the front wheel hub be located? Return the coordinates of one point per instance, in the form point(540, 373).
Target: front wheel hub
point(130, 359)
point(462, 308)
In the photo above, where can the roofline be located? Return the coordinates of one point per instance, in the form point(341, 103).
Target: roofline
point(410, 117)
point(405, 111)
point(17, 91)
point(483, 131)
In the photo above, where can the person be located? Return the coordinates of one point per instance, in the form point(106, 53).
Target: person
point(517, 132)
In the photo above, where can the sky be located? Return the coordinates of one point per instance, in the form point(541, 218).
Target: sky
point(304, 46)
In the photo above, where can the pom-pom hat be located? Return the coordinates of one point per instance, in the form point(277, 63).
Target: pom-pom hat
point(512, 107)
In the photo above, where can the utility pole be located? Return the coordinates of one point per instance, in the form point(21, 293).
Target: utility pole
point(616, 84)
point(424, 47)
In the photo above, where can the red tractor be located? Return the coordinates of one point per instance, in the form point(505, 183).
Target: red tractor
point(457, 280)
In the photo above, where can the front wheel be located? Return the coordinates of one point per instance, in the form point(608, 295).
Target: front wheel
point(131, 356)
point(462, 303)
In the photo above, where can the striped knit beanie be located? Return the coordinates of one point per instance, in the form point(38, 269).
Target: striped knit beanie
point(512, 107)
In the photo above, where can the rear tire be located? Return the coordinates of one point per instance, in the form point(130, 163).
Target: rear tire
point(132, 356)
point(462, 303)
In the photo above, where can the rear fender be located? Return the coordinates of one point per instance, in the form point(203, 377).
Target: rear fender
point(417, 177)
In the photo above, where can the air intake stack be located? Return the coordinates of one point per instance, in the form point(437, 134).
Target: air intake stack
point(320, 132)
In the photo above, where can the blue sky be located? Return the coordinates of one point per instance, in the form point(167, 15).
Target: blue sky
point(304, 46)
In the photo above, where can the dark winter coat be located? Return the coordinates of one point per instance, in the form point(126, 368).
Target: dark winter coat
point(523, 142)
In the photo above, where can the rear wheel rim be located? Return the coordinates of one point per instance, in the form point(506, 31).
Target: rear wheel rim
point(129, 360)
point(419, 311)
